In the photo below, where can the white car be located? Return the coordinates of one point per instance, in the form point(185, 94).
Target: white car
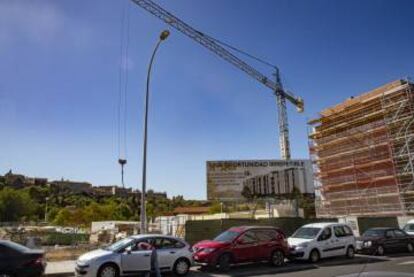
point(409, 227)
point(126, 257)
point(320, 240)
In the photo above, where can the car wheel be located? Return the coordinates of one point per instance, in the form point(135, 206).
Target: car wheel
point(181, 267)
point(380, 250)
point(314, 256)
point(224, 262)
point(410, 247)
point(108, 270)
point(350, 252)
point(277, 258)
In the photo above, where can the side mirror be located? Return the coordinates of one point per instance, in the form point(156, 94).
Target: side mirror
point(128, 250)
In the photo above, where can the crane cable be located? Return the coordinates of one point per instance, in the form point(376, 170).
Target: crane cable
point(238, 50)
point(123, 89)
point(260, 60)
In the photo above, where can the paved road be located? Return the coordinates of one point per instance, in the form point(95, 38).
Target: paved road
point(325, 268)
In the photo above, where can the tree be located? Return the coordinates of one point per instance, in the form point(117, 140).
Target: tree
point(14, 205)
point(63, 217)
point(215, 208)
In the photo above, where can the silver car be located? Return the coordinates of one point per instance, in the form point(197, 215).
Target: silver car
point(126, 257)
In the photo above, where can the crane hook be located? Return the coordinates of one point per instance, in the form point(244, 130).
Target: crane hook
point(122, 162)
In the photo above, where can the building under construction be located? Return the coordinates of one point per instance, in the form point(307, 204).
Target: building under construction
point(363, 154)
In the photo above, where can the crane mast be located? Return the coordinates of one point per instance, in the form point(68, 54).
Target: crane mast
point(211, 44)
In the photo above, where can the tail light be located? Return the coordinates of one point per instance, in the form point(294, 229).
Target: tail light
point(35, 262)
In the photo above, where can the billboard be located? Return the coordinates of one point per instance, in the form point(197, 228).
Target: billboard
point(230, 180)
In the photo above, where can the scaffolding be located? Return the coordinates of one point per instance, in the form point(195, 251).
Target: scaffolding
point(362, 152)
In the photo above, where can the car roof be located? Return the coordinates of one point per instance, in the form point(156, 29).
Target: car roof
point(322, 224)
point(141, 236)
point(250, 227)
point(382, 228)
point(14, 245)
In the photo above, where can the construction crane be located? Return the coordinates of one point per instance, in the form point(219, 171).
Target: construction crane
point(215, 46)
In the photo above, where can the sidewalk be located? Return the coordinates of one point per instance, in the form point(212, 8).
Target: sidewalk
point(60, 269)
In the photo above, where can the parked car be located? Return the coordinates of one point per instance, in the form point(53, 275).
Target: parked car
point(18, 260)
point(126, 257)
point(409, 227)
point(377, 241)
point(242, 244)
point(320, 240)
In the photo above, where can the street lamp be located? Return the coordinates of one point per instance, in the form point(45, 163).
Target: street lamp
point(47, 199)
point(163, 36)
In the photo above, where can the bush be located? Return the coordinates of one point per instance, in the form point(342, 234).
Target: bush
point(65, 239)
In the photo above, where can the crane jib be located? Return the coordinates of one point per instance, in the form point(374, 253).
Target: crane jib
point(209, 43)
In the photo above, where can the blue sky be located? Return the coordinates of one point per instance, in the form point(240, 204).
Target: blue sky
point(59, 82)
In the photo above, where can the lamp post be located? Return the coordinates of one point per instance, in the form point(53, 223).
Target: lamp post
point(163, 36)
point(47, 199)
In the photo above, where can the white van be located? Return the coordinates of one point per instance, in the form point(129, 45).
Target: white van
point(409, 227)
point(320, 240)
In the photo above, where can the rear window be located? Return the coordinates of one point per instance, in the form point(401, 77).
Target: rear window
point(15, 246)
point(266, 235)
point(342, 231)
point(374, 233)
point(409, 227)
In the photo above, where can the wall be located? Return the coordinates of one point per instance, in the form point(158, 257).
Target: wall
point(364, 223)
point(200, 230)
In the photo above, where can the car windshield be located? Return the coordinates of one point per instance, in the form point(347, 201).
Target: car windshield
point(409, 227)
point(15, 246)
point(119, 245)
point(227, 236)
point(306, 233)
point(373, 233)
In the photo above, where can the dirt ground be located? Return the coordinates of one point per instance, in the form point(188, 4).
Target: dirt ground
point(55, 254)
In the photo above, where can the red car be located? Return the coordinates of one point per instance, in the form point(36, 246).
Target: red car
point(243, 244)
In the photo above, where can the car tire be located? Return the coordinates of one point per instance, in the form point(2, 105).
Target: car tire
point(224, 262)
point(277, 258)
point(108, 270)
point(314, 256)
point(181, 267)
point(380, 250)
point(350, 252)
point(410, 247)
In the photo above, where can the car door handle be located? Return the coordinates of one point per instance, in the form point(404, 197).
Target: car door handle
point(172, 252)
point(146, 255)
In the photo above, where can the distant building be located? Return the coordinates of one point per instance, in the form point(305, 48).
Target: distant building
point(15, 181)
point(111, 191)
point(160, 195)
point(36, 181)
point(71, 186)
point(19, 181)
